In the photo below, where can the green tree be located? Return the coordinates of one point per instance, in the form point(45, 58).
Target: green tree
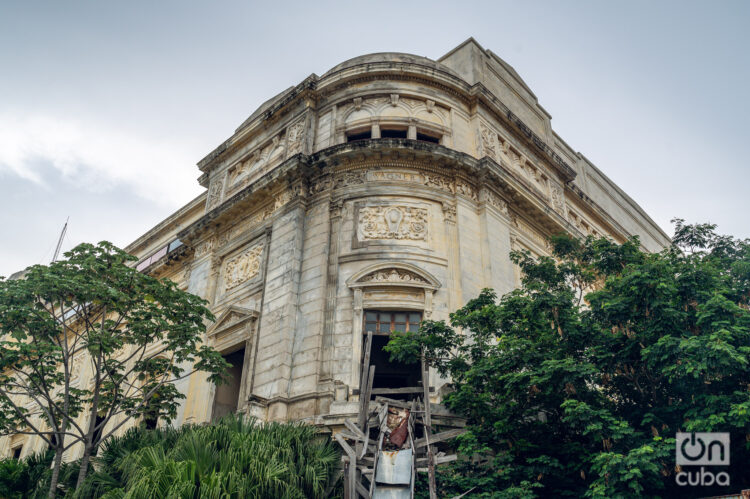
point(134, 334)
point(575, 384)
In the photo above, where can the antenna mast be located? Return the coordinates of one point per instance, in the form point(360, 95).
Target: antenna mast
point(59, 241)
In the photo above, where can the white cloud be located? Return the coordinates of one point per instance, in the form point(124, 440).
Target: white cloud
point(96, 157)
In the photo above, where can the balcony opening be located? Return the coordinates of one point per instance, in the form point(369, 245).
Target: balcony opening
point(363, 135)
point(226, 400)
point(392, 374)
point(427, 138)
point(394, 133)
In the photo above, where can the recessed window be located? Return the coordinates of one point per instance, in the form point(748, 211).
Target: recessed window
point(364, 135)
point(388, 373)
point(428, 138)
point(392, 133)
point(16, 452)
point(384, 323)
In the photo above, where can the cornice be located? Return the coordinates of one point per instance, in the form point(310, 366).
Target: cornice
point(303, 169)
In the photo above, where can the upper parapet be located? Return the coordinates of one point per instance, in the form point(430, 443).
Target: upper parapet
point(469, 100)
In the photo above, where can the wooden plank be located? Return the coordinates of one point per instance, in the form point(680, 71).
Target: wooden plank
point(395, 403)
point(363, 491)
point(440, 437)
point(365, 399)
point(351, 476)
point(356, 431)
point(428, 428)
point(398, 391)
point(438, 460)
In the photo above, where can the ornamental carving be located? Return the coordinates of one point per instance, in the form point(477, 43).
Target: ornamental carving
point(351, 178)
point(393, 275)
point(295, 138)
point(242, 267)
point(214, 194)
point(557, 198)
point(495, 201)
point(204, 248)
point(488, 141)
point(466, 189)
point(393, 222)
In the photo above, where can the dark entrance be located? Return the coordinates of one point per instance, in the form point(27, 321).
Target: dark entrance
point(390, 374)
point(227, 395)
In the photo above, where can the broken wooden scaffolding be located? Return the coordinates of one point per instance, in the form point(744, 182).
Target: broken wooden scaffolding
point(392, 440)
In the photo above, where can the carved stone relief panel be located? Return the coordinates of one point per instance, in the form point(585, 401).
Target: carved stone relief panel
point(214, 193)
point(392, 222)
point(557, 198)
point(295, 136)
point(242, 267)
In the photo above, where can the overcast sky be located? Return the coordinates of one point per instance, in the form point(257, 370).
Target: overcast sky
point(105, 107)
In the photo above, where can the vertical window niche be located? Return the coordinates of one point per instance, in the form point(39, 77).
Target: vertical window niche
point(227, 396)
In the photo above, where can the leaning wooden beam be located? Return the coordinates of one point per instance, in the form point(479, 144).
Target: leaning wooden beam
point(440, 437)
point(364, 399)
point(428, 428)
point(397, 391)
point(351, 477)
point(362, 491)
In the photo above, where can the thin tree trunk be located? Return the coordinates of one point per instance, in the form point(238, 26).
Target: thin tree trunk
point(84, 465)
point(55, 472)
point(88, 443)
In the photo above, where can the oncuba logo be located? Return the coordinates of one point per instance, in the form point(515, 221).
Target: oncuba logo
point(702, 449)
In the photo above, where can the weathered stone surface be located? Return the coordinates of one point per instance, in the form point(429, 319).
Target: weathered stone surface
point(300, 232)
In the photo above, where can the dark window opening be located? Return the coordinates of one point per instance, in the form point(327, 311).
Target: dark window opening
point(227, 396)
point(427, 138)
point(16, 451)
point(393, 134)
point(392, 374)
point(98, 428)
point(351, 137)
point(52, 442)
point(150, 420)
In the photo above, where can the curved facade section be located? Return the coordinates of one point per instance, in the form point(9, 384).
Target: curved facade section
point(389, 190)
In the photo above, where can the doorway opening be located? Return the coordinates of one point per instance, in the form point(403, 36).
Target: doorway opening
point(392, 374)
point(226, 400)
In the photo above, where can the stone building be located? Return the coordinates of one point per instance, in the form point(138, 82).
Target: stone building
point(390, 189)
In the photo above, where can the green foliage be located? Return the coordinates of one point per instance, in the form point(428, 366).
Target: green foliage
point(230, 459)
point(233, 458)
point(575, 384)
point(30, 478)
point(93, 313)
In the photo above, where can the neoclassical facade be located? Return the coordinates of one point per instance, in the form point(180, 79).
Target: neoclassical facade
point(390, 189)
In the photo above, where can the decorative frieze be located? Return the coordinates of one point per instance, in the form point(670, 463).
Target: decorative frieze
point(530, 232)
point(393, 222)
point(492, 199)
point(204, 248)
point(349, 178)
point(243, 267)
point(497, 147)
point(393, 276)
